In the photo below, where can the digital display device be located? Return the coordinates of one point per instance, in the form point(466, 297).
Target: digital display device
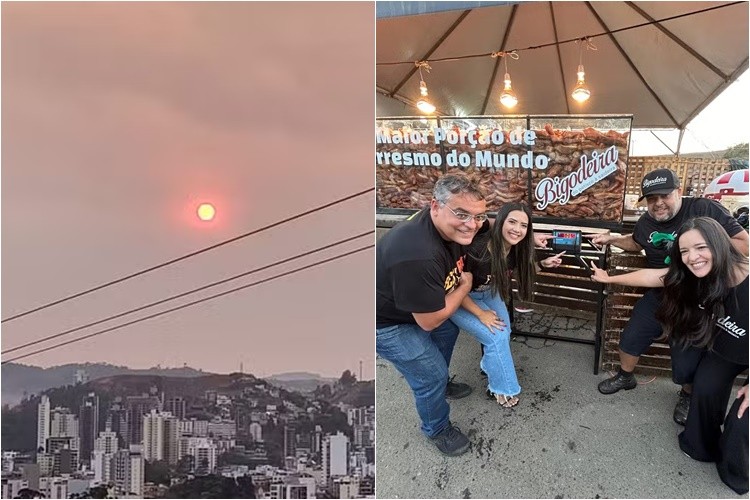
point(570, 241)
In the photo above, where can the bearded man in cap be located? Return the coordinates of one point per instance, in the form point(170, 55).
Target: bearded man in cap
point(655, 233)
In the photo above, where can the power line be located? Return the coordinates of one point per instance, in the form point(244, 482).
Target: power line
point(189, 292)
point(192, 254)
point(551, 44)
point(189, 304)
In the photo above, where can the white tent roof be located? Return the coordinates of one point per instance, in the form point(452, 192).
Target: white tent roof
point(664, 73)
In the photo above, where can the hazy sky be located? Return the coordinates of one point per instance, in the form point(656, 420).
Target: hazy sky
point(721, 125)
point(119, 118)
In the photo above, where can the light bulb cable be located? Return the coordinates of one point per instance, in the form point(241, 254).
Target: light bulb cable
point(562, 42)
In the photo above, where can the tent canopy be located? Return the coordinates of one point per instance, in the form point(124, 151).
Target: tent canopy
point(663, 72)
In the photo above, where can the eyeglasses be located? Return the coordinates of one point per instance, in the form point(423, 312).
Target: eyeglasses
point(465, 218)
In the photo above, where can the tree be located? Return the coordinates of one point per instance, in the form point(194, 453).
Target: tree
point(213, 486)
point(100, 491)
point(157, 472)
point(186, 464)
point(347, 379)
point(739, 151)
point(29, 493)
point(95, 492)
point(233, 458)
point(203, 469)
point(322, 391)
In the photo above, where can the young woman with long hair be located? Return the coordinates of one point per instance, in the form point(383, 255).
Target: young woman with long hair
point(496, 254)
point(704, 313)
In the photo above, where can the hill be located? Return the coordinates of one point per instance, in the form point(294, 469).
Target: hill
point(19, 381)
point(19, 421)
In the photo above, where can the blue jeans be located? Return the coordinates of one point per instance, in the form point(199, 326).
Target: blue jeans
point(497, 361)
point(422, 358)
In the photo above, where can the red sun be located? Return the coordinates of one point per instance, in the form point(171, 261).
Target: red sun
point(206, 212)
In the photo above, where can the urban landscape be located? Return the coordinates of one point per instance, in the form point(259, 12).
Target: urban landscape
point(212, 436)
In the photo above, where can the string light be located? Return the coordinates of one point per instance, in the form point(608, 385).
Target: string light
point(562, 42)
point(581, 92)
point(508, 97)
point(423, 104)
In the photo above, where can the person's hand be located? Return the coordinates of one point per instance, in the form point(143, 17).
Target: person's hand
point(600, 275)
point(599, 239)
point(490, 320)
point(540, 240)
point(742, 393)
point(553, 261)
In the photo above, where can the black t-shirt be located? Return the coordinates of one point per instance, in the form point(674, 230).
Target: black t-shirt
point(478, 260)
point(646, 227)
point(414, 269)
point(731, 341)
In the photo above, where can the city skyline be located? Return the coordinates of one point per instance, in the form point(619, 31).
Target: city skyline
point(137, 443)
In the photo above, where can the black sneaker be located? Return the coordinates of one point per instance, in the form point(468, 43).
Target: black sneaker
point(682, 407)
point(451, 441)
point(619, 381)
point(456, 390)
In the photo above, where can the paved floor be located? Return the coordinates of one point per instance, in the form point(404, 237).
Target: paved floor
point(564, 440)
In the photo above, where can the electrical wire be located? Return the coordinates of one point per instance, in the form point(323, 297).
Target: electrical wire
point(191, 254)
point(184, 294)
point(189, 304)
point(551, 44)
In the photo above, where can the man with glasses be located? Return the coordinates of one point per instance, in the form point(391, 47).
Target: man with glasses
point(655, 233)
point(420, 283)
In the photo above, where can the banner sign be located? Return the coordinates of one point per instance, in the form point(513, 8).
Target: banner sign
point(562, 167)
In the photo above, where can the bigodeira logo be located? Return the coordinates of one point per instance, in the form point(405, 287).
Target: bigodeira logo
point(651, 182)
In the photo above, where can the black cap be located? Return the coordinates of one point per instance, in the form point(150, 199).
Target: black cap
point(660, 181)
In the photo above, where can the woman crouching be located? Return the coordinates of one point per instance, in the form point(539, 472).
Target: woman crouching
point(704, 313)
point(507, 247)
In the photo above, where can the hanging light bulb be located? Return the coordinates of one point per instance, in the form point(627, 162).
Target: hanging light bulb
point(508, 97)
point(581, 91)
point(423, 104)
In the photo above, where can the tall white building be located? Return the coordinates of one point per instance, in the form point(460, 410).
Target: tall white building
point(345, 487)
point(256, 431)
point(161, 435)
point(107, 442)
point(137, 471)
point(194, 427)
point(54, 487)
point(11, 487)
point(63, 423)
point(335, 455)
point(128, 472)
point(203, 451)
point(222, 429)
point(46, 462)
point(9, 458)
point(355, 416)
point(101, 463)
point(292, 487)
point(43, 423)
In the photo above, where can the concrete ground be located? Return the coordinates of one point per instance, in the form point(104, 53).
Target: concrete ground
point(563, 440)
